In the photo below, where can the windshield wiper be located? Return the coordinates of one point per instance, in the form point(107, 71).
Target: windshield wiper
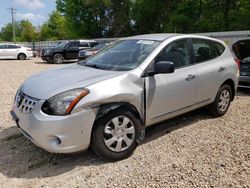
point(92, 65)
point(89, 65)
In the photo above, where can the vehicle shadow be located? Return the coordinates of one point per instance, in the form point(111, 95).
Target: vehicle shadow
point(243, 92)
point(160, 129)
point(27, 59)
point(19, 158)
point(64, 63)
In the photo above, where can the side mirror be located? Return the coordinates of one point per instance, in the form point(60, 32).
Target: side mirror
point(164, 67)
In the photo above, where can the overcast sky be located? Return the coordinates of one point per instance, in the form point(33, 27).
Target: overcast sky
point(36, 11)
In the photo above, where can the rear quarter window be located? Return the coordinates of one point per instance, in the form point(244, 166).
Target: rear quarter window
point(219, 47)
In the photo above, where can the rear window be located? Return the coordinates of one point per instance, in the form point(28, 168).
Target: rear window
point(220, 48)
point(241, 49)
point(203, 50)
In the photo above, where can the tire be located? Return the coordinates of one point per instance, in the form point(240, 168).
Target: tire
point(58, 58)
point(116, 126)
point(21, 56)
point(222, 101)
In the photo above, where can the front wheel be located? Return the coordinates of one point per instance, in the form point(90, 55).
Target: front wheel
point(58, 58)
point(222, 101)
point(115, 134)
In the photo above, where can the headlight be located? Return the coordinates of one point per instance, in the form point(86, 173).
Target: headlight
point(47, 52)
point(63, 103)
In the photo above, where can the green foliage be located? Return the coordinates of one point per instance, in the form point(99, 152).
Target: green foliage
point(25, 31)
point(55, 28)
point(28, 32)
point(6, 33)
point(118, 18)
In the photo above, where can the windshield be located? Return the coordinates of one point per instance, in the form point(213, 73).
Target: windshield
point(122, 55)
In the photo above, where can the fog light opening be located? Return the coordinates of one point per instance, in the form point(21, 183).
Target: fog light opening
point(58, 141)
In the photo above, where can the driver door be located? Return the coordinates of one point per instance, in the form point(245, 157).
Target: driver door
point(72, 50)
point(169, 93)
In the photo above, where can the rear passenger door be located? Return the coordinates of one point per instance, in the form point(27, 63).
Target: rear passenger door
point(209, 69)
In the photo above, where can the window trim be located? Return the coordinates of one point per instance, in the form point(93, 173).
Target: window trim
point(144, 74)
point(192, 48)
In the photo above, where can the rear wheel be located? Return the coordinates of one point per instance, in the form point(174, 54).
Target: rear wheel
point(222, 101)
point(58, 58)
point(115, 134)
point(21, 56)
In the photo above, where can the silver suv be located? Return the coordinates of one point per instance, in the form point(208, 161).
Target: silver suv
point(107, 101)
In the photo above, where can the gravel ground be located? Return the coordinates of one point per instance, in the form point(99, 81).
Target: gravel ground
point(193, 150)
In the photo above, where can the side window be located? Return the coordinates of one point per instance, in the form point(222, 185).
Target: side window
point(203, 50)
point(3, 46)
point(177, 52)
point(220, 48)
point(10, 46)
point(84, 44)
point(74, 44)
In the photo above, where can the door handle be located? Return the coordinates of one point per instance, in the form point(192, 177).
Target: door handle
point(190, 77)
point(221, 69)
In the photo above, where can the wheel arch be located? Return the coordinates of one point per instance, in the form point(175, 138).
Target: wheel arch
point(106, 108)
point(230, 82)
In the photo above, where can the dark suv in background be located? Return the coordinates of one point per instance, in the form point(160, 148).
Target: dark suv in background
point(66, 50)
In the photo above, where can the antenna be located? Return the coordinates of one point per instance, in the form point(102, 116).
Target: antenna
point(13, 12)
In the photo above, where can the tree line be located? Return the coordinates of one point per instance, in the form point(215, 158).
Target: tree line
point(117, 18)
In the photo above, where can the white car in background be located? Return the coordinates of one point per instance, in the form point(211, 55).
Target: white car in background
point(14, 51)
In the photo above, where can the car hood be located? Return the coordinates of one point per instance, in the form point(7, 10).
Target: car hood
point(49, 83)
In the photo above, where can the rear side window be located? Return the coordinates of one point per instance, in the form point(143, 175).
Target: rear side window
point(74, 44)
point(203, 50)
point(220, 48)
point(12, 46)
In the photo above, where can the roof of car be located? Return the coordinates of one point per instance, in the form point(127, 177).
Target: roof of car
point(157, 36)
point(85, 40)
point(9, 44)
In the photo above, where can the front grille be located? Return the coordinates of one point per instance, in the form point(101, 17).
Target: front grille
point(42, 52)
point(25, 103)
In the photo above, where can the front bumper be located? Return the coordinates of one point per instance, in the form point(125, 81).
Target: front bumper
point(29, 54)
point(47, 58)
point(57, 134)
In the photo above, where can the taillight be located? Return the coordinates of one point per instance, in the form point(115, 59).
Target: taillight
point(237, 61)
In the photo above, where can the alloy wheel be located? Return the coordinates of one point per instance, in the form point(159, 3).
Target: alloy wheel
point(224, 100)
